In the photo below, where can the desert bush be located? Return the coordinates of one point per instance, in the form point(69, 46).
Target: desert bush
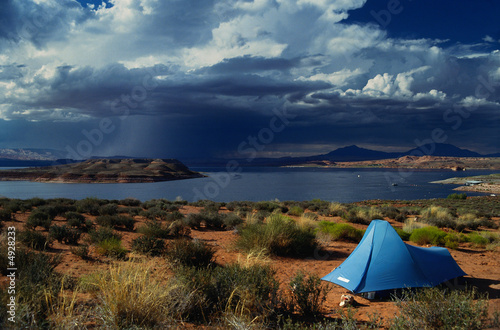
point(389, 211)
point(81, 251)
point(280, 235)
point(108, 209)
point(154, 213)
point(35, 282)
point(435, 308)
point(130, 202)
point(39, 218)
point(452, 241)
point(337, 209)
point(16, 205)
point(193, 220)
point(130, 210)
point(64, 234)
point(112, 247)
point(461, 196)
point(231, 220)
point(101, 234)
point(34, 239)
point(307, 293)
point(88, 205)
point(148, 245)
point(192, 253)
point(116, 221)
point(296, 211)
point(437, 216)
point(74, 219)
point(362, 215)
point(428, 235)
point(175, 215)
point(231, 290)
point(35, 202)
point(267, 206)
point(56, 208)
point(178, 229)
point(5, 215)
point(341, 231)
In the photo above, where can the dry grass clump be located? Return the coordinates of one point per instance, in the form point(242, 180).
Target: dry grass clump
point(438, 216)
point(434, 308)
point(411, 224)
point(129, 296)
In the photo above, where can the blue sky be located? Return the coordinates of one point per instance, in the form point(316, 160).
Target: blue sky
point(213, 78)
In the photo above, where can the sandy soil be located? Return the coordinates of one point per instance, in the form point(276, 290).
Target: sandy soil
point(482, 266)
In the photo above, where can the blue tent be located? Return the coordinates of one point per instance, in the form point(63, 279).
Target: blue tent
point(382, 261)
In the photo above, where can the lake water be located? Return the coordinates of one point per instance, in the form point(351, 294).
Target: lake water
point(257, 184)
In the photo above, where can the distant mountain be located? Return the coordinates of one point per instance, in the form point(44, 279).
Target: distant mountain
point(354, 153)
point(443, 150)
point(31, 154)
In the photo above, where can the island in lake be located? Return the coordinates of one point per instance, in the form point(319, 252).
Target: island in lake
point(105, 171)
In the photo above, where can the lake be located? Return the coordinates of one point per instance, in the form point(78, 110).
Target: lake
point(262, 183)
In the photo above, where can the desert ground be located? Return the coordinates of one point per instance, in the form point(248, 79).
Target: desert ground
point(481, 263)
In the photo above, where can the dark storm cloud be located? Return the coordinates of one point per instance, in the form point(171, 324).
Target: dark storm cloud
point(191, 77)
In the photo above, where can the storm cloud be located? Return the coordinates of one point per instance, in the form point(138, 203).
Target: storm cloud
point(196, 78)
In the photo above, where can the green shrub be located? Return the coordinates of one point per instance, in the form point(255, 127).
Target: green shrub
point(112, 247)
point(478, 240)
point(5, 215)
point(405, 236)
point(116, 221)
point(428, 235)
point(193, 253)
point(280, 235)
point(341, 231)
point(307, 293)
point(102, 234)
point(296, 211)
point(434, 308)
point(39, 218)
point(451, 241)
point(457, 196)
point(65, 235)
point(148, 245)
point(108, 209)
point(88, 205)
point(34, 239)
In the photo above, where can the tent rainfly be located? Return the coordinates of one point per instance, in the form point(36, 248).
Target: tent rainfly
point(382, 261)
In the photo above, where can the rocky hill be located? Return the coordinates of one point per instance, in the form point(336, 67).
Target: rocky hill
point(105, 171)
